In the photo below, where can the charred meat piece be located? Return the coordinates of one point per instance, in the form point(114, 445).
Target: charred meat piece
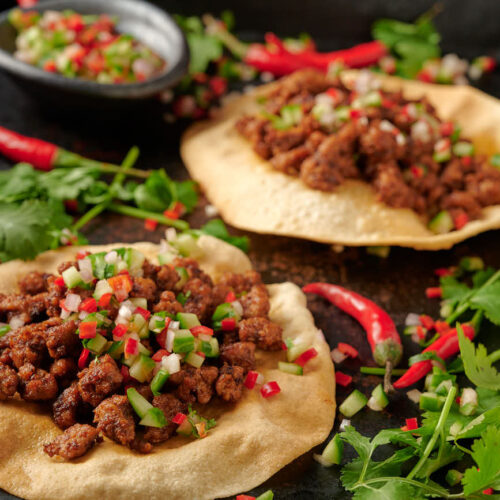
point(256, 302)
point(73, 443)
point(170, 406)
point(64, 370)
point(55, 294)
point(266, 334)
point(36, 384)
point(168, 303)
point(193, 269)
point(240, 283)
point(9, 382)
point(195, 384)
point(144, 287)
point(167, 277)
point(199, 298)
point(33, 283)
point(99, 380)
point(115, 419)
point(239, 353)
point(65, 407)
point(61, 339)
point(229, 385)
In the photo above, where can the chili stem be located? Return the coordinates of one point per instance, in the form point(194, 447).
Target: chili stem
point(370, 370)
point(144, 214)
point(464, 303)
point(437, 432)
point(131, 172)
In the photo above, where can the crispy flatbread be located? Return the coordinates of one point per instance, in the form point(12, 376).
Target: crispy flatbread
point(252, 440)
point(251, 195)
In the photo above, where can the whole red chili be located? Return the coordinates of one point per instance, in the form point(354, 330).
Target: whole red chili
point(445, 347)
point(380, 329)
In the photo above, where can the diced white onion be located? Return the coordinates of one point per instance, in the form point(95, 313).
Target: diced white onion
point(401, 140)
point(174, 325)
point(337, 356)
point(469, 395)
point(386, 126)
point(416, 338)
point(83, 315)
point(64, 313)
point(373, 405)
point(344, 424)
point(322, 460)
point(85, 266)
point(171, 363)
point(171, 234)
point(211, 211)
point(111, 257)
point(324, 99)
point(143, 67)
point(120, 320)
point(260, 379)
point(18, 321)
point(72, 302)
point(169, 344)
point(414, 395)
point(238, 308)
point(412, 319)
point(320, 335)
point(365, 82)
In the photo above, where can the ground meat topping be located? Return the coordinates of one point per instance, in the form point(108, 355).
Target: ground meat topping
point(65, 407)
point(8, 382)
point(229, 385)
point(341, 135)
point(170, 406)
point(37, 384)
point(168, 303)
point(99, 380)
point(115, 419)
point(33, 283)
point(266, 334)
point(239, 353)
point(73, 443)
point(61, 339)
point(195, 384)
point(64, 370)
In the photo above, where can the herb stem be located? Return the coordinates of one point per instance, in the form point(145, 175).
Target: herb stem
point(417, 484)
point(463, 305)
point(494, 356)
point(89, 215)
point(437, 432)
point(144, 214)
point(372, 370)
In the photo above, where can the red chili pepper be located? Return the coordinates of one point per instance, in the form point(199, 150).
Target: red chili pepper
point(488, 491)
point(230, 297)
point(381, 331)
point(434, 292)
point(270, 389)
point(444, 347)
point(342, 379)
point(348, 350)
point(411, 424)
point(426, 321)
point(150, 224)
point(442, 327)
point(444, 271)
point(460, 220)
point(83, 359)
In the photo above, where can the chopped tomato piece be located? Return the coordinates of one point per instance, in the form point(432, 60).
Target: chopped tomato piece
point(60, 282)
point(121, 285)
point(82, 254)
point(218, 84)
point(244, 497)
point(75, 22)
point(434, 292)
point(347, 349)
point(89, 305)
point(143, 312)
point(104, 300)
point(201, 330)
point(161, 338)
point(251, 379)
point(119, 331)
point(460, 220)
point(230, 297)
point(446, 128)
point(442, 326)
point(179, 418)
point(83, 359)
point(125, 374)
point(342, 379)
point(88, 329)
point(150, 224)
point(411, 424)
point(306, 356)
point(131, 347)
point(421, 332)
point(355, 114)
point(158, 355)
point(270, 389)
point(228, 324)
point(426, 321)
point(50, 66)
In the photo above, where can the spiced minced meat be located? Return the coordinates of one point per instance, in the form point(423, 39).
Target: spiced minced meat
point(114, 339)
point(314, 127)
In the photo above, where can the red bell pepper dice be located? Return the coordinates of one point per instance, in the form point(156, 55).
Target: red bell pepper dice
point(270, 389)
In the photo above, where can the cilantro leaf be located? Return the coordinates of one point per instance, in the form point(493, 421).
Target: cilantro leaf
point(447, 454)
point(453, 289)
point(485, 454)
point(390, 490)
point(477, 365)
point(203, 50)
point(187, 194)
point(488, 300)
point(68, 184)
point(30, 228)
point(475, 428)
point(157, 193)
point(19, 183)
point(218, 229)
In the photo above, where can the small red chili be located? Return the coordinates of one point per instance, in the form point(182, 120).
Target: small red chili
point(342, 379)
point(83, 359)
point(434, 292)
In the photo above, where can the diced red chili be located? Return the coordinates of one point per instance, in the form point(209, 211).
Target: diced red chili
point(342, 379)
point(348, 350)
point(201, 330)
point(460, 220)
point(150, 224)
point(251, 379)
point(104, 300)
point(83, 359)
point(355, 114)
point(119, 331)
point(443, 271)
point(218, 84)
point(284, 347)
point(230, 297)
point(244, 497)
point(175, 211)
point(121, 285)
point(143, 312)
point(88, 329)
point(62, 305)
point(89, 305)
point(131, 347)
point(467, 160)
point(411, 424)
point(426, 321)
point(60, 282)
point(161, 338)
point(228, 324)
point(421, 332)
point(158, 355)
point(179, 418)
point(442, 326)
point(270, 389)
point(434, 292)
point(306, 356)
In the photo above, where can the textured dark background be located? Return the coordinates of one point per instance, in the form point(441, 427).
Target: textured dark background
point(397, 283)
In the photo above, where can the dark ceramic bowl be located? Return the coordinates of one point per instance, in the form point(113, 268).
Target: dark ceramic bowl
point(147, 23)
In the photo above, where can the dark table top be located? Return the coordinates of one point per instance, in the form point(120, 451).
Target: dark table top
point(397, 283)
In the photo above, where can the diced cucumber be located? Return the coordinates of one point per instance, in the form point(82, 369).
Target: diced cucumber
point(495, 160)
point(166, 258)
point(4, 329)
point(379, 251)
point(343, 113)
point(210, 347)
point(98, 264)
point(102, 287)
point(186, 428)
point(463, 148)
point(134, 260)
point(187, 246)
point(444, 387)
point(72, 277)
point(295, 350)
point(129, 361)
point(442, 223)
point(116, 349)
point(159, 381)
point(442, 156)
point(140, 404)
point(183, 341)
point(154, 418)
point(431, 402)
point(194, 359)
point(334, 451)
point(97, 344)
point(354, 403)
point(453, 477)
point(139, 325)
point(379, 399)
point(140, 302)
point(187, 320)
point(470, 264)
point(142, 368)
point(267, 495)
point(143, 350)
point(468, 402)
point(183, 277)
point(291, 368)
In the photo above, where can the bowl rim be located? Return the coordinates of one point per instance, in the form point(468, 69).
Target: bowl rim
point(172, 74)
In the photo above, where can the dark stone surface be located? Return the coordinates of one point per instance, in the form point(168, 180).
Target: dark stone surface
point(396, 283)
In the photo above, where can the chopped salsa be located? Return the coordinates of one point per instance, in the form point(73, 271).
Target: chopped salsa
point(82, 46)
